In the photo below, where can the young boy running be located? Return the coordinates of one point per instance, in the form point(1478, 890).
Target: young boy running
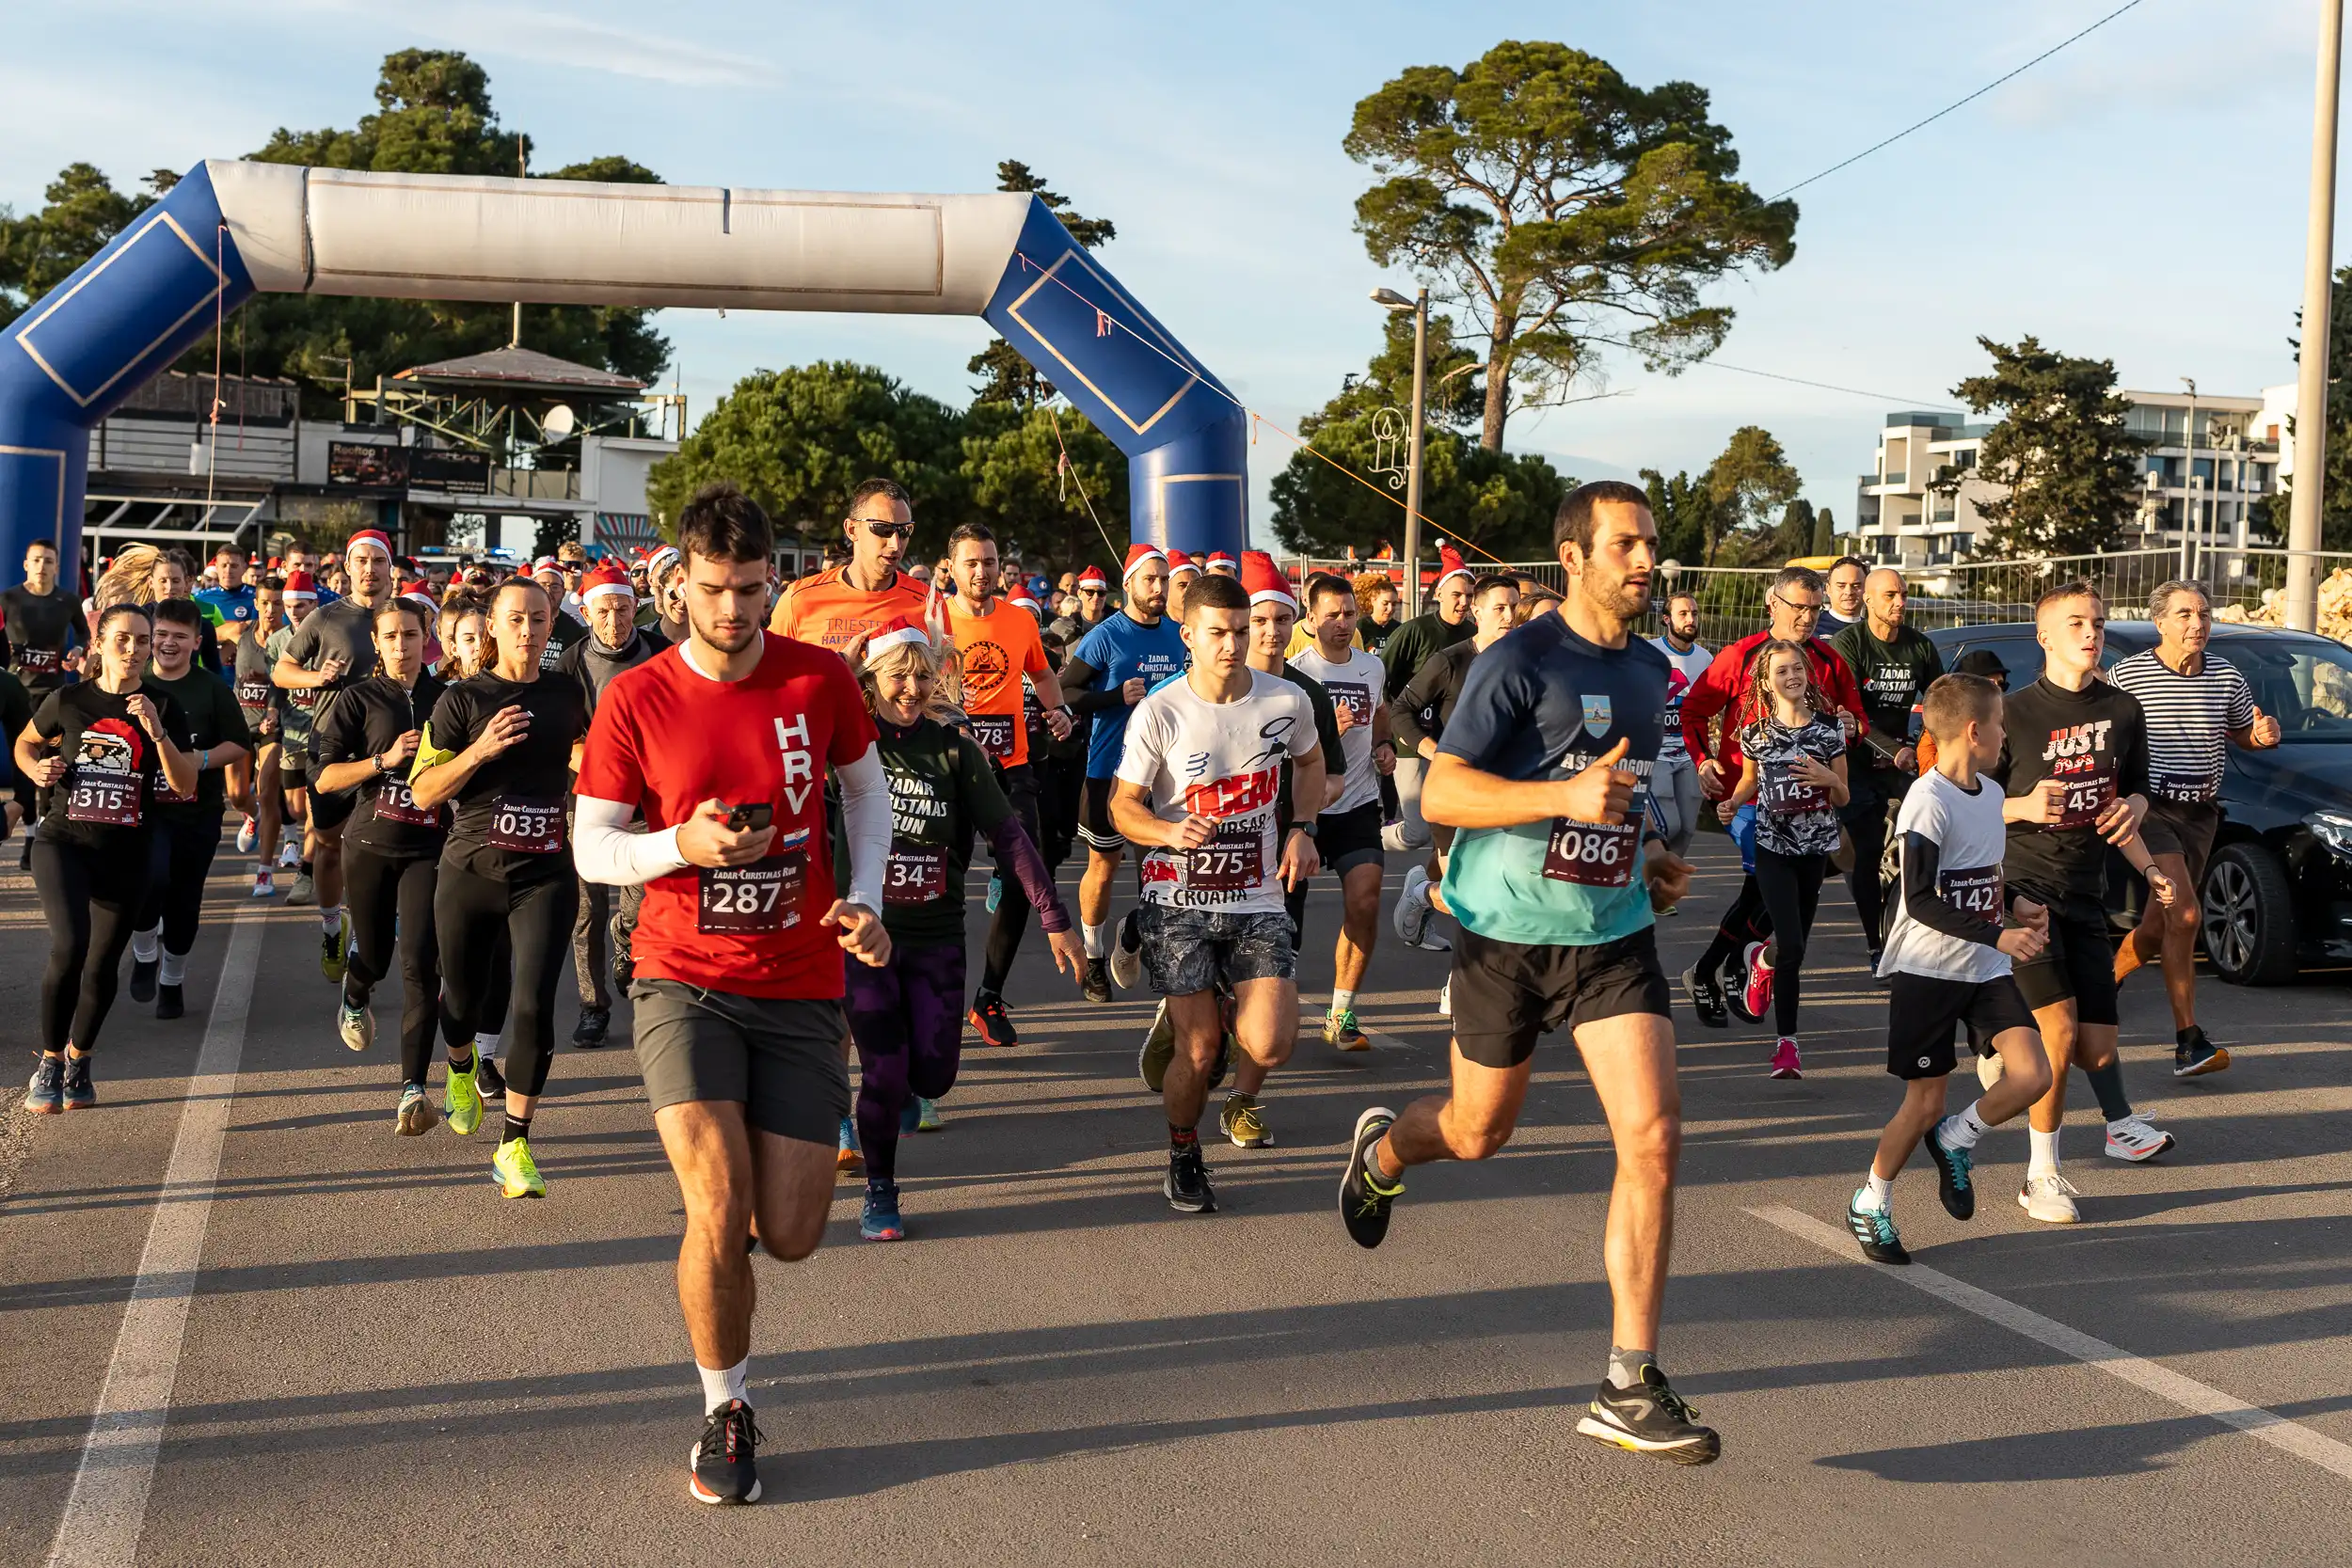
point(1948, 962)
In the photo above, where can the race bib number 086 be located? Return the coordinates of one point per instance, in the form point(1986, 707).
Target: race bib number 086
point(1593, 855)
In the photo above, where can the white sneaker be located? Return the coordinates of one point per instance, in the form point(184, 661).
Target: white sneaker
point(1989, 1072)
point(1412, 917)
point(289, 855)
point(246, 836)
point(263, 885)
point(2050, 1199)
point(1445, 998)
point(1127, 961)
point(2135, 1139)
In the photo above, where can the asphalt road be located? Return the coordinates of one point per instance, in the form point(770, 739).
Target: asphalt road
point(368, 1356)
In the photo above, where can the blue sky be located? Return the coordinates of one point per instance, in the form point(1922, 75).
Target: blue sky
point(2140, 197)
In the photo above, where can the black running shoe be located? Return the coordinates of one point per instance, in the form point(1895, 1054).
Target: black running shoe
point(1098, 981)
point(588, 1034)
point(1875, 1229)
point(2196, 1055)
point(1706, 999)
point(725, 1463)
point(1187, 1184)
point(143, 979)
point(1364, 1198)
point(487, 1081)
point(170, 1002)
point(993, 1023)
point(1650, 1417)
point(1955, 1180)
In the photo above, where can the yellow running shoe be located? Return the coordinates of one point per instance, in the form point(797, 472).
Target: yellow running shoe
point(517, 1173)
point(1244, 1121)
point(461, 1102)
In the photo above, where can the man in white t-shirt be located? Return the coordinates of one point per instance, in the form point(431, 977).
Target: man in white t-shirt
point(1197, 791)
point(1674, 782)
point(1348, 836)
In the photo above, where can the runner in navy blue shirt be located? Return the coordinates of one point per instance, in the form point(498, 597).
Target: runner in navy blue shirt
point(1544, 770)
point(1115, 665)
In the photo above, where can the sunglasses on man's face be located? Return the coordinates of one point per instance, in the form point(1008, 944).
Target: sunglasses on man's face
point(1090, 592)
point(889, 530)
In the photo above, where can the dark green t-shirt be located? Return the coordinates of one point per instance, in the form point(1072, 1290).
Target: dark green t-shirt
point(1415, 640)
point(1893, 676)
point(214, 719)
point(941, 792)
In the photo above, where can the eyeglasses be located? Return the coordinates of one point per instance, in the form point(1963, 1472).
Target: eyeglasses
point(888, 531)
point(1801, 612)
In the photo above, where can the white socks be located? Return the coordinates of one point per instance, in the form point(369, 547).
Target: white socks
point(1962, 1130)
point(722, 1387)
point(144, 944)
point(1877, 1193)
point(330, 919)
point(1097, 941)
point(2045, 1159)
point(1343, 1001)
point(173, 970)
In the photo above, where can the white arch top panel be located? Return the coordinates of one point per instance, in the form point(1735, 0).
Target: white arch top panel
point(341, 232)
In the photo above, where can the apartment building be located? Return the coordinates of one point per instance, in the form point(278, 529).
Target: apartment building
point(2210, 462)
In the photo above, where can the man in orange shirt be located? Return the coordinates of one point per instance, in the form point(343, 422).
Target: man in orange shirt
point(997, 646)
point(838, 605)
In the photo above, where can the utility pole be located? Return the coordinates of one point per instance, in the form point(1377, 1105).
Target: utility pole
point(1412, 457)
point(2311, 392)
point(2189, 515)
point(522, 171)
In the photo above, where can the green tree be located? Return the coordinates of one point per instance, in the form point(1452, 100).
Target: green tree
point(1005, 376)
point(1750, 483)
point(1549, 199)
point(2335, 506)
point(1684, 509)
point(2067, 473)
point(1011, 473)
point(1825, 532)
point(799, 440)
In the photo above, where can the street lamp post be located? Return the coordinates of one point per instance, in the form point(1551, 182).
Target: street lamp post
point(1389, 299)
point(2189, 518)
point(2310, 394)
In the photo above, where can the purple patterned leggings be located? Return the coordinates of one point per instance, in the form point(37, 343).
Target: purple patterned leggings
point(906, 1019)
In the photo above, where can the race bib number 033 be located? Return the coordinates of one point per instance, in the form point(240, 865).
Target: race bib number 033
point(526, 827)
point(758, 899)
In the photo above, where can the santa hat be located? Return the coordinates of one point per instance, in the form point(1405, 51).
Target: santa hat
point(366, 539)
point(661, 562)
point(545, 563)
point(301, 585)
point(1092, 578)
point(1449, 565)
point(1219, 561)
point(1136, 555)
point(607, 577)
point(1262, 579)
point(1023, 601)
point(906, 628)
point(1179, 561)
point(273, 563)
point(419, 590)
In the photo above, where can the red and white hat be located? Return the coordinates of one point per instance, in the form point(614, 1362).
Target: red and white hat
point(545, 563)
point(606, 577)
point(421, 591)
point(661, 562)
point(1262, 579)
point(368, 539)
point(1137, 554)
point(301, 585)
point(1450, 565)
point(1023, 601)
point(905, 629)
point(1221, 562)
point(1179, 561)
point(1092, 578)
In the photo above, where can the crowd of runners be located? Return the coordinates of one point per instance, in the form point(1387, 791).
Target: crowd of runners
point(751, 807)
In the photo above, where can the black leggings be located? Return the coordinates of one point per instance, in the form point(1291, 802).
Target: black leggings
point(469, 911)
point(91, 901)
point(382, 893)
point(1745, 921)
point(178, 864)
point(1867, 821)
point(1011, 922)
point(1792, 889)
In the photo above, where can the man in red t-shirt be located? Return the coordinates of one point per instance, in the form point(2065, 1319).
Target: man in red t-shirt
point(722, 743)
point(997, 647)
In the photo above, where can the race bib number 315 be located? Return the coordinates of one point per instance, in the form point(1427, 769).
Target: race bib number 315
point(106, 800)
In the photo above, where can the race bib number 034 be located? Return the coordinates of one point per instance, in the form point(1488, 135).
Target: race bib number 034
point(758, 899)
point(526, 827)
point(916, 875)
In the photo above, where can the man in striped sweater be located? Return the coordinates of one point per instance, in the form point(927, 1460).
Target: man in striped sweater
point(2198, 705)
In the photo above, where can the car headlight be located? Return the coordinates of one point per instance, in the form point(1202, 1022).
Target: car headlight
point(2333, 828)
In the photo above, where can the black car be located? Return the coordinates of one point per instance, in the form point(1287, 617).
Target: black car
point(2278, 893)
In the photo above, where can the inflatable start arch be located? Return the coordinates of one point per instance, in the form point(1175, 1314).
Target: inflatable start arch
point(230, 230)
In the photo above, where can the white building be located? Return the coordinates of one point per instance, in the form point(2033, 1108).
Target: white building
point(1918, 505)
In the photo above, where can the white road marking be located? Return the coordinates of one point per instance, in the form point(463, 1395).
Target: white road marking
point(2190, 1395)
point(106, 1509)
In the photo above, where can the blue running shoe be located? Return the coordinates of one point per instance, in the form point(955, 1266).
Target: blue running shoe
point(1954, 1171)
point(995, 893)
point(45, 1095)
point(1875, 1229)
point(879, 1222)
point(845, 1156)
point(910, 1116)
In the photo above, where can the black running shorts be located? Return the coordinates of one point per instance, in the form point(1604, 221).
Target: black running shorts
point(2079, 966)
point(2183, 828)
point(329, 811)
point(1094, 817)
point(1347, 839)
point(1922, 1012)
point(1505, 993)
point(780, 1060)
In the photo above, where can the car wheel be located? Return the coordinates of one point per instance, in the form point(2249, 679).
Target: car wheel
point(2248, 917)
